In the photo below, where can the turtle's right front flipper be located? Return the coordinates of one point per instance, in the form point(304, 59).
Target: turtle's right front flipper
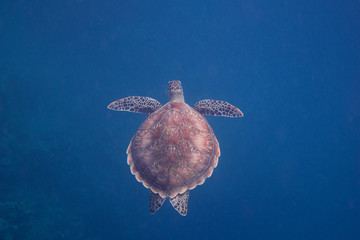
point(217, 108)
point(135, 104)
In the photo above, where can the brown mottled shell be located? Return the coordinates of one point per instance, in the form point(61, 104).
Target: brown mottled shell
point(174, 150)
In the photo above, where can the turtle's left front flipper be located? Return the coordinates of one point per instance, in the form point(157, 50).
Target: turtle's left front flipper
point(135, 104)
point(217, 108)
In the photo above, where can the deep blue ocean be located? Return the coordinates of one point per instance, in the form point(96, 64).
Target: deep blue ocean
point(289, 169)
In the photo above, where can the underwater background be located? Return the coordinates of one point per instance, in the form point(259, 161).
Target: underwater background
point(289, 169)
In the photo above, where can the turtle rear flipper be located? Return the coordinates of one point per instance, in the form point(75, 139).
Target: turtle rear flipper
point(155, 202)
point(217, 108)
point(135, 104)
point(180, 202)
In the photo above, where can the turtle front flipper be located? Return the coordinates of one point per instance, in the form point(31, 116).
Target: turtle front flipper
point(155, 202)
point(180, 202)
point(217, 108)
point(135, 104)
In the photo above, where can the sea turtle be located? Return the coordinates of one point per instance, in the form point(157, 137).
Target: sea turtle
point(175, 149)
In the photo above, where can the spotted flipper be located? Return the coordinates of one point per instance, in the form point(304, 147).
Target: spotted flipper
point(180, 202)
point(217, 108)
point(135, 104)
point(155, 202)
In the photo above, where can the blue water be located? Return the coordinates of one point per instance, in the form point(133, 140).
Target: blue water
point(289, 169)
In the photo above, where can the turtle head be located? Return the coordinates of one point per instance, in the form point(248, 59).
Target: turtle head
point(175, 91)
